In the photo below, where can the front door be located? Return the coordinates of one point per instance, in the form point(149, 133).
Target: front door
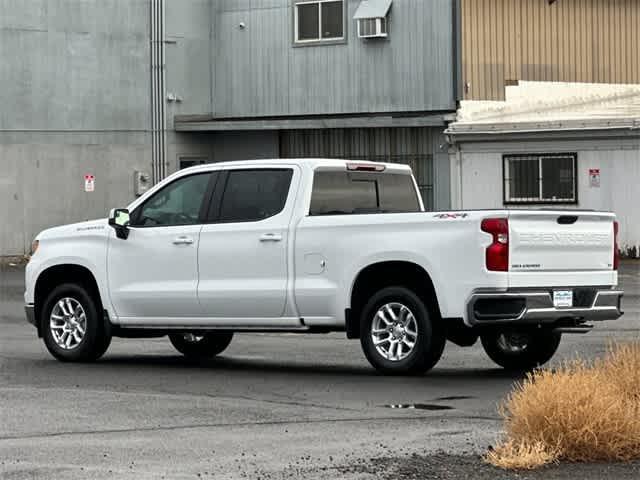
point(153, 274)
point(242, 258)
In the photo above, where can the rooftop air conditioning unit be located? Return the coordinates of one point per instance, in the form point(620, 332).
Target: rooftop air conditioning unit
point(372, 28)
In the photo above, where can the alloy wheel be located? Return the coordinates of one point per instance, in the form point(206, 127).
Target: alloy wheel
point(394, 331)
point(68, 323)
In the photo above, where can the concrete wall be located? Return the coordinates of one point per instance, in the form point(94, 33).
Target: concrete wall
point(42, 184)
point(260, 73)
point(71, 64)
point(74, 90)
point(618, 161)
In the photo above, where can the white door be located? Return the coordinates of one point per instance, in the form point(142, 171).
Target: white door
point(243, 249)
point(153, 274)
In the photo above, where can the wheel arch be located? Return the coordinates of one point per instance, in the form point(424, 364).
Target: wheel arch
point(388, 273)
point(56, 275)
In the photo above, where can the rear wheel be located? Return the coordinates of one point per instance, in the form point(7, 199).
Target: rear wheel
point(202, 346)
point(71, 324)
point(398, 335)
point(521, 350)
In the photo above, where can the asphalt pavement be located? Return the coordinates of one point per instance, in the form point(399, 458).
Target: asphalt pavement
point(271, 407)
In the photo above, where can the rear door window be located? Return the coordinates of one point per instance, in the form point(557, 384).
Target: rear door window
point(254, 195)
point(352, 193)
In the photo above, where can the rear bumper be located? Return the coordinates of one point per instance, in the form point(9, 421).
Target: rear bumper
point(535, 306)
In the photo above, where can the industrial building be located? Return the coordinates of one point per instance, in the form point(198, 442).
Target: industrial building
point(126, 92)
point(551, 111)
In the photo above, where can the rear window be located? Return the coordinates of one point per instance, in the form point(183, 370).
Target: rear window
point(349, 193)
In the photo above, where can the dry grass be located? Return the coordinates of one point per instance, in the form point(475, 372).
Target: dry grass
point(578, 413)
point(521, 456)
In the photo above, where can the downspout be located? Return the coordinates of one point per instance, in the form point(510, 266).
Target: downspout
point(459, 166)
point(163, 89)
point(158, 73)
point(152, 50)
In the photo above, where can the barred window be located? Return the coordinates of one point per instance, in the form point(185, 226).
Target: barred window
point(543, 178)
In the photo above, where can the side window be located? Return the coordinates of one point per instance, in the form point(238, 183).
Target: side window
point(254, 195)
point(178, 203)
point(344, 193)
point(317, 21)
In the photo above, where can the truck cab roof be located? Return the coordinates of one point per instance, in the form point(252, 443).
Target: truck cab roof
point(309, 163)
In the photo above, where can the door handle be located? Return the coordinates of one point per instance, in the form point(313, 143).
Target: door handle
point(271, 237)
point(183, 241)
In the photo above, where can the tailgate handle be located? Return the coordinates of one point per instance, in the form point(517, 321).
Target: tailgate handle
point(567, 219)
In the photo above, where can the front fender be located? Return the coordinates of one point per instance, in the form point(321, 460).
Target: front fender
point(54, 253)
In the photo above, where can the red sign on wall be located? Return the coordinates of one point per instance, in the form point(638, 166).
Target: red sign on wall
point(89, 183)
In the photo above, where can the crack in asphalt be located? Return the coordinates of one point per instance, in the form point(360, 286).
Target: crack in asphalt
point(164, 393)
point(280, 402)
point(245, 424)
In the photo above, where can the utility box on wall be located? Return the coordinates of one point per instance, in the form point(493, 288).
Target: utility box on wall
point(141, 182)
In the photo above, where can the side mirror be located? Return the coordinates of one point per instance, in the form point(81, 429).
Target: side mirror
point(119, 221)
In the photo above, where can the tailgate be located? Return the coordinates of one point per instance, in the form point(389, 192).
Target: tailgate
point(562, 242)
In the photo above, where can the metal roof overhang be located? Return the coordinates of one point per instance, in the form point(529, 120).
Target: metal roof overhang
point(372, 9)
point(200, 123)
point(568, 129)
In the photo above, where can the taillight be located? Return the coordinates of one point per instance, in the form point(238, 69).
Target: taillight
point(616, 250)
point(497, 255)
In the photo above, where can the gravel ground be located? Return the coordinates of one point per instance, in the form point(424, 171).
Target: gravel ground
point(443, 467)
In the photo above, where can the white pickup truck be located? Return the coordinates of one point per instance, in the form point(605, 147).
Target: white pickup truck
point(317, 246)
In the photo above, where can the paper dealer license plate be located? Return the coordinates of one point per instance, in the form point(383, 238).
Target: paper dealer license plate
point(563, 298)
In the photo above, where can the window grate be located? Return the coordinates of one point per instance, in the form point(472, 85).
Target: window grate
point(540, 178)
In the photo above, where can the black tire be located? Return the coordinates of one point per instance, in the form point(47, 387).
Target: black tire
point(201, 347)
point(437, 347)
point(95, 340)
point(533, 349)
point(428, 346)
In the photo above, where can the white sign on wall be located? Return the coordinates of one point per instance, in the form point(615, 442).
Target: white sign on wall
point(89, 183)
point(594, 177)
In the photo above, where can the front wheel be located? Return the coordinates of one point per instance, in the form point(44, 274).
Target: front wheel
point(521, 350)
point(200, 346)
point(398, 335)
point(72, 326)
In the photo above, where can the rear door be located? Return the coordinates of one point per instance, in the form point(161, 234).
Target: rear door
point(561, 247)
point(243, 253)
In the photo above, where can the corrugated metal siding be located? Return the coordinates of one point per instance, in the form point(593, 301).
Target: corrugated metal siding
point(411, 146)
point(570, 41)
point(258, 71)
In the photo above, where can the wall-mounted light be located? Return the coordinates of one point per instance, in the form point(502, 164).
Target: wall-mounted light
point(242, 25)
